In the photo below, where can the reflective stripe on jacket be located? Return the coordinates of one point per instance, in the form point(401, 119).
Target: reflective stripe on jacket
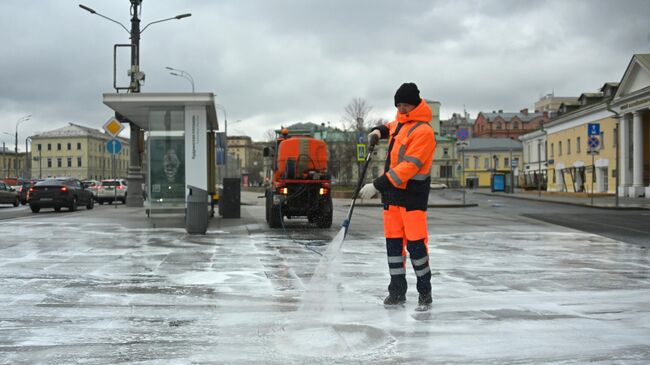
point(412, 144)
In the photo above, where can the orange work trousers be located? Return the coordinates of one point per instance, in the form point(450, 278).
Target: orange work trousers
point(407, 231)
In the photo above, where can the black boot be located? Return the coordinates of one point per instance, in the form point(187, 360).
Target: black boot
point(425, 299)
point(395, 299)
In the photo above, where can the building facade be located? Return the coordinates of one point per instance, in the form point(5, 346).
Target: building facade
point(483, 157)
point(10, 163)
point(551, 104)
point(248, 158)
point(507, 125)
point(77, 151)
point(632, 103)
point(445, 168)
point(571, 167)
point(450, 126)
point(622, 106)
point(534, 169)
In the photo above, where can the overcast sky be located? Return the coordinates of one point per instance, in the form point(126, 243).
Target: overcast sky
point(276, 62)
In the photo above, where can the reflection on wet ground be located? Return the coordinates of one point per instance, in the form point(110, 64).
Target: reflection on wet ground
point(102, 293)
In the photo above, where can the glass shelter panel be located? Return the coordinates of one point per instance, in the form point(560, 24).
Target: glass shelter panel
point(166, 161)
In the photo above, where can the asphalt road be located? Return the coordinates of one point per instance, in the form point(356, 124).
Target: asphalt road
point(629, 226)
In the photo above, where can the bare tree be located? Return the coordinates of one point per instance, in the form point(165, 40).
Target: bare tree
point(269, 135)
point(356, 114)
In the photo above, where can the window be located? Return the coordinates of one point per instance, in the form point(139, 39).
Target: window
point(78, 161)
point(552, 150)
point(466, 163)
point(69, 146)
point(58, 161)
point(568, 146)
point(486, 163)
point(476, 162)
point(69, 161)
point(506, 162)
point(515, 125)
point(499, 125)
point(39, 146)
point(559, 148)
point(445, 171)
point(78, 145)
point(445, 152)
point(578, 145)
point(49, 163)
point(58, 146)
point(49, 147)
point(496, 162)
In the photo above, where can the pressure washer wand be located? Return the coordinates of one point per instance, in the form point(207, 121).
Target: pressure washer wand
point(346, 222)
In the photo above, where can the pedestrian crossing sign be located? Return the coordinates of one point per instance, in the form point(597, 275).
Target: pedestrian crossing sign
point(361, 152)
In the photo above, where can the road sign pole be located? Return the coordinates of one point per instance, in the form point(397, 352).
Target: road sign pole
point(114, 179)
point(593, 178)
point(462, 164)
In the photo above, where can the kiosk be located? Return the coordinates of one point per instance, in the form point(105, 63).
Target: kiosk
point(180, 151)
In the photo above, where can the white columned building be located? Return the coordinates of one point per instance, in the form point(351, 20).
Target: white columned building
point(632, 102)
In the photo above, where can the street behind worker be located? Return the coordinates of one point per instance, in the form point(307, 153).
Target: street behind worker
point(404, 189)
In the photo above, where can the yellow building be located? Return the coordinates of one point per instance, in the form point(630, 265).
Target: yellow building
point(570, 166)
point(247, 158)
point(483, 157)
point(77, 151)
point(8, 165)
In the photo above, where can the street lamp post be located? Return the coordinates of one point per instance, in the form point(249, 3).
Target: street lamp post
point(23, 119)
point(134, 176)
point(27, 173)
point(184, 74)
point(539, 168)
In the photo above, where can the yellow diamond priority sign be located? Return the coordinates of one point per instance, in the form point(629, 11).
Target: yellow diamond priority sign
point(113, 127)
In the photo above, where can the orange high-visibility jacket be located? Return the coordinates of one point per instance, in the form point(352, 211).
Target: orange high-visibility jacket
point(412, 144)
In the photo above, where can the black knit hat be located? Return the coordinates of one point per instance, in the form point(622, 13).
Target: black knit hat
point(408, 93)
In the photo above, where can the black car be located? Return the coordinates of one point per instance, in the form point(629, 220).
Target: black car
point(60, 192)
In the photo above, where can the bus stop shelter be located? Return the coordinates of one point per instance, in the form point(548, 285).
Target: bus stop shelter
point(180, 158)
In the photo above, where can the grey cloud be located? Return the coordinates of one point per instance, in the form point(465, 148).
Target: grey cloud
point(274, 61)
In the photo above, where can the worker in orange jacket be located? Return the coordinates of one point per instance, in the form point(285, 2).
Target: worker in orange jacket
point(404, 189)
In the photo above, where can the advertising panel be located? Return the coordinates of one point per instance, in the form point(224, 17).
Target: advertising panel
point(167, 168)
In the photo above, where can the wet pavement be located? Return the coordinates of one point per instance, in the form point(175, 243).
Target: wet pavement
point(103, 287)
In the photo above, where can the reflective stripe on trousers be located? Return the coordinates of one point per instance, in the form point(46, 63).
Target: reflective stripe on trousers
point(407, 230)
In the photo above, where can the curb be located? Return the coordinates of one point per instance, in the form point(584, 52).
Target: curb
point(451, 205)
point(587, 205)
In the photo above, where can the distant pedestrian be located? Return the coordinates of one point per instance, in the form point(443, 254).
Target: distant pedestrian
point(404, 189)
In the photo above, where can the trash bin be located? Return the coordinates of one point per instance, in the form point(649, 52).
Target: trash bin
point(196, 215)
point(230, 198)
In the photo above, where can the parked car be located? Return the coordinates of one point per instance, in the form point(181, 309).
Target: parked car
point(8, 195)
point(111, 190)
point(59, 192)
point(91, 185)
point(436, 186)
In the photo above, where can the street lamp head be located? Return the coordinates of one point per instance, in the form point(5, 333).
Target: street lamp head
point(183, 16)
point(174, 73)
point(91, 11)
point(169, 68)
